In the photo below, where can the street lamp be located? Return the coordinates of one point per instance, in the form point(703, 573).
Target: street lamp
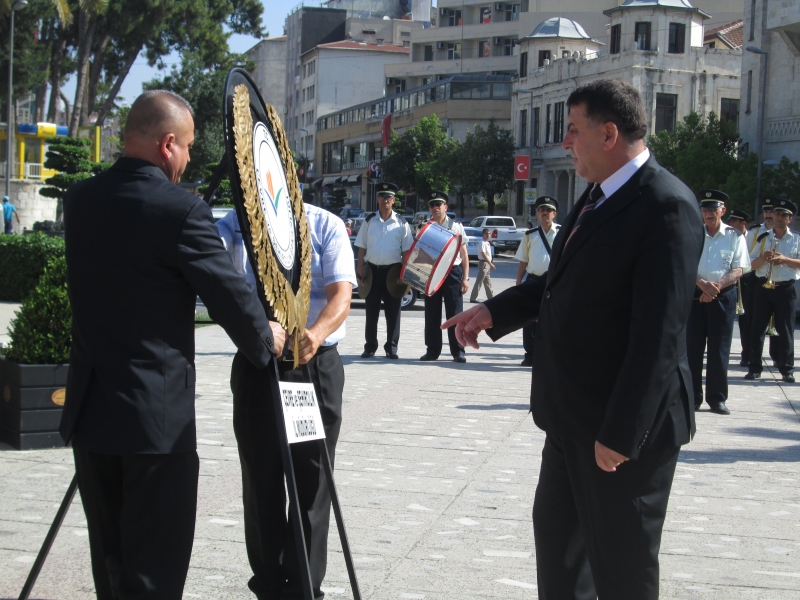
point(18, 5)
point(757, 50)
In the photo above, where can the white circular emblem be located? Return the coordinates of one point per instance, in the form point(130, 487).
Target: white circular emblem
point(273, 192)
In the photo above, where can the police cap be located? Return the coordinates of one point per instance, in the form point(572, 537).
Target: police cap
point(546, 202)
point(785, 206)
point(738, 214)
point(437, 196)
point(388, 189)
point(712, 199)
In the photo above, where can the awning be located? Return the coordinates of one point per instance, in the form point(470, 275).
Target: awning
point(353, 178)
point(329, 180)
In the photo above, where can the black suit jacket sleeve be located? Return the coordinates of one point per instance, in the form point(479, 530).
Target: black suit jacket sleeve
point(203, 261)
point(663, 281)
point(515, 307)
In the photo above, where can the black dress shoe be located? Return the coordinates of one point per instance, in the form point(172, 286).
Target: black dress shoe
point(460, 358)
point(392, 355)
point(788, 378)
point(720, 409)
point(428, 357)
point(526, 362)
point(752, 375)
point(367, 354)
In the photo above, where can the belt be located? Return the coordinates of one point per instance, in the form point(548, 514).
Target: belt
point(787, 283)
point(382, 267)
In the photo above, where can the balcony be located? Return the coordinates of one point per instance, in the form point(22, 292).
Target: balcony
point(452, 67)
point(28, 171)
point(533, 152)
point(467, 32)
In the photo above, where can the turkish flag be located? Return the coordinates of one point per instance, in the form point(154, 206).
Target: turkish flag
point(386, 128)
point(522, 168)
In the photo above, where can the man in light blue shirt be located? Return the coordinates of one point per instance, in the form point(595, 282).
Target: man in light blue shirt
point(269, 537)
point(9, 210)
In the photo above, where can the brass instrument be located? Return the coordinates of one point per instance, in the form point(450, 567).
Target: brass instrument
point(770, 285)
point(739, 303)
point(771, 327)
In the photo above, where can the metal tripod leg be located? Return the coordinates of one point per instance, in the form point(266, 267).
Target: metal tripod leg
point(49, 539)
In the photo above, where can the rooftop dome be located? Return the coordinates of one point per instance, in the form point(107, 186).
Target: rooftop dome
point(679, 4)
point(559, 27)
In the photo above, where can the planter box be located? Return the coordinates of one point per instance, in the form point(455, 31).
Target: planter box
point(31, 397)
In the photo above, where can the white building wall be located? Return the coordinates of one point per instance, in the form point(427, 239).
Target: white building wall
point(269, 55)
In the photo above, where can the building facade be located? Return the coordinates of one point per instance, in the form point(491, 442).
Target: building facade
point(655, 45)
point(269, 56)
point(774, 27)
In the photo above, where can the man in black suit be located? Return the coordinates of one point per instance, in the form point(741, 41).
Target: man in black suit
point(139, 251)
point(611, 381)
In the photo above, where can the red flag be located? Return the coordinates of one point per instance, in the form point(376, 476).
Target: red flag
point(522, 168)
point(386, 128)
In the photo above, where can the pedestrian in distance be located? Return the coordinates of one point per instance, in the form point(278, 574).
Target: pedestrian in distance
point(723, 262)
point(9, 212)
point(485, 267)
point(139, 251)
point(612, 309)
point(534, 259)
point(452, 291)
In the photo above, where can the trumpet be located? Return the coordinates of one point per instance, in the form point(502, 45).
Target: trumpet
point(771, 327)
point(739, 303)
point(770, 285)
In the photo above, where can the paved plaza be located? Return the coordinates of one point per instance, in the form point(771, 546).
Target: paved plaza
point(436, 468)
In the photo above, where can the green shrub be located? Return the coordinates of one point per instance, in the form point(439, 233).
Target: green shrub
point(40, 333)
point(23, 259)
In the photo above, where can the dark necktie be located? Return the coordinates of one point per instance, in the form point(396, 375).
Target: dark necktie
point(594, 195)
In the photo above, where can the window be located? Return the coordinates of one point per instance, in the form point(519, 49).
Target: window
point(535, 128)
point(752, 23)
point(508, 47)
point(305, 71)
point(295, 122)
point(547, 126)
point(616, 39)
point(442, 91)
point(666, 112)
point(453, 51)
point(428, 56)
point(523, 64)
point(523, 128)
point(729, 110)
point(558, 122)
point(312, 67)
point(311, 92)
point(677, 38)
point(641, 35)
point(501, 91)
point(406, 44)
point(543, 56)
point(452, 18)
point(484, 49)
point(749, 90)
point(512, 12)
point(486, 14)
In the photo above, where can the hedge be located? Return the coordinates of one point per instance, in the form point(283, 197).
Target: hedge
point(23, 259)
point(40, 333)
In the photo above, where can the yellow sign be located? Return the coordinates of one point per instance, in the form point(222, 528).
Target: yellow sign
point(530, 195)
point(59, 396)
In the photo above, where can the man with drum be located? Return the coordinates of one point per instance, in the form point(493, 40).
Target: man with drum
point(381, 242)
point(534, 259)
point(452, 290)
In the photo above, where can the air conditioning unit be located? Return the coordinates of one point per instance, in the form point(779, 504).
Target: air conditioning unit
point(498, 6)
point(440, 45)
point(442, 11)
point(498, 41)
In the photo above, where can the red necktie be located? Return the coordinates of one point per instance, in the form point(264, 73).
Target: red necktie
point(591, 202)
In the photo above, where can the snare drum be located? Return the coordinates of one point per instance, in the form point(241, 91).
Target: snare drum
point(430, 258)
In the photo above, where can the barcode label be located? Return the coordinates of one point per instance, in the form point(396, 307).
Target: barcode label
point(301, 412)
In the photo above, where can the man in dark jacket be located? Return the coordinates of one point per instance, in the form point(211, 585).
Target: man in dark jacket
point(611, 380)
point(139, 250)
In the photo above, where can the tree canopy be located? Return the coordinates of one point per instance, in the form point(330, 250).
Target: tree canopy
point(487, 162)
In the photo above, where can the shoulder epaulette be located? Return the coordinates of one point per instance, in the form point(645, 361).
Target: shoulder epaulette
point(762, 236)
point(756, 226)
point(368, 217)
point(531, 230)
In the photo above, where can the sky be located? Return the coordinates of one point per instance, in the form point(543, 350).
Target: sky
point(275, 12)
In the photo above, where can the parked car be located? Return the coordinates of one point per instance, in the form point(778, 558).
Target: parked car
point(219, 212)
point(474, 238)
point(357, 223)
point(351, 213)
point(505, 235)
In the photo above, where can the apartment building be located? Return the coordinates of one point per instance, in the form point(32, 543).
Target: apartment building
point(269, 56)
point(655, 45)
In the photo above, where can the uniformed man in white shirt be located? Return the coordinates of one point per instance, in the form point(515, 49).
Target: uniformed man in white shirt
point(749, 284)
point(738, 220)
point(382, 240)
point(533, 255)
point(452, 291)
point(776, 260)
point(722, 263)
point(485, 266)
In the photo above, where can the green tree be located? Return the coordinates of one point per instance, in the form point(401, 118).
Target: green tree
point(336, 200)
point(223, 195)
point(70, 157)
point(487, 162)
point(701, 152)
point(418, 161)
point(780, 181)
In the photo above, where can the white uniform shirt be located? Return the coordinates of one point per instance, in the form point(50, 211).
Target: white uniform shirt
point(533, 252)
point(485, 251)
point(458, 229)
point(331, 258)
point(384, 241)
point(725, 251)
point(789, 246)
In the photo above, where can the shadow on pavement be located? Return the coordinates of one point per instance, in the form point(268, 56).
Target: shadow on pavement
point(495, 406)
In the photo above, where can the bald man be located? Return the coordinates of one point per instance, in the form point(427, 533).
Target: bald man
point(139, 251)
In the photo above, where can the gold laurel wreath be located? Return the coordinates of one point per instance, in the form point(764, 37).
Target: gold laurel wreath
point(289, 309)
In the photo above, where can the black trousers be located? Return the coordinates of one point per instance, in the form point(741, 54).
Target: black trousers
point(391, 310)
point(269, 537)
point(780, 302)
point(140, 509)
point(748, 283)
point(529, 331)
point(711, 322)
point(598, 534)
point(450, 293)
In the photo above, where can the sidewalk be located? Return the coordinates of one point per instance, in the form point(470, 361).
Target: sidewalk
point(436, 469)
